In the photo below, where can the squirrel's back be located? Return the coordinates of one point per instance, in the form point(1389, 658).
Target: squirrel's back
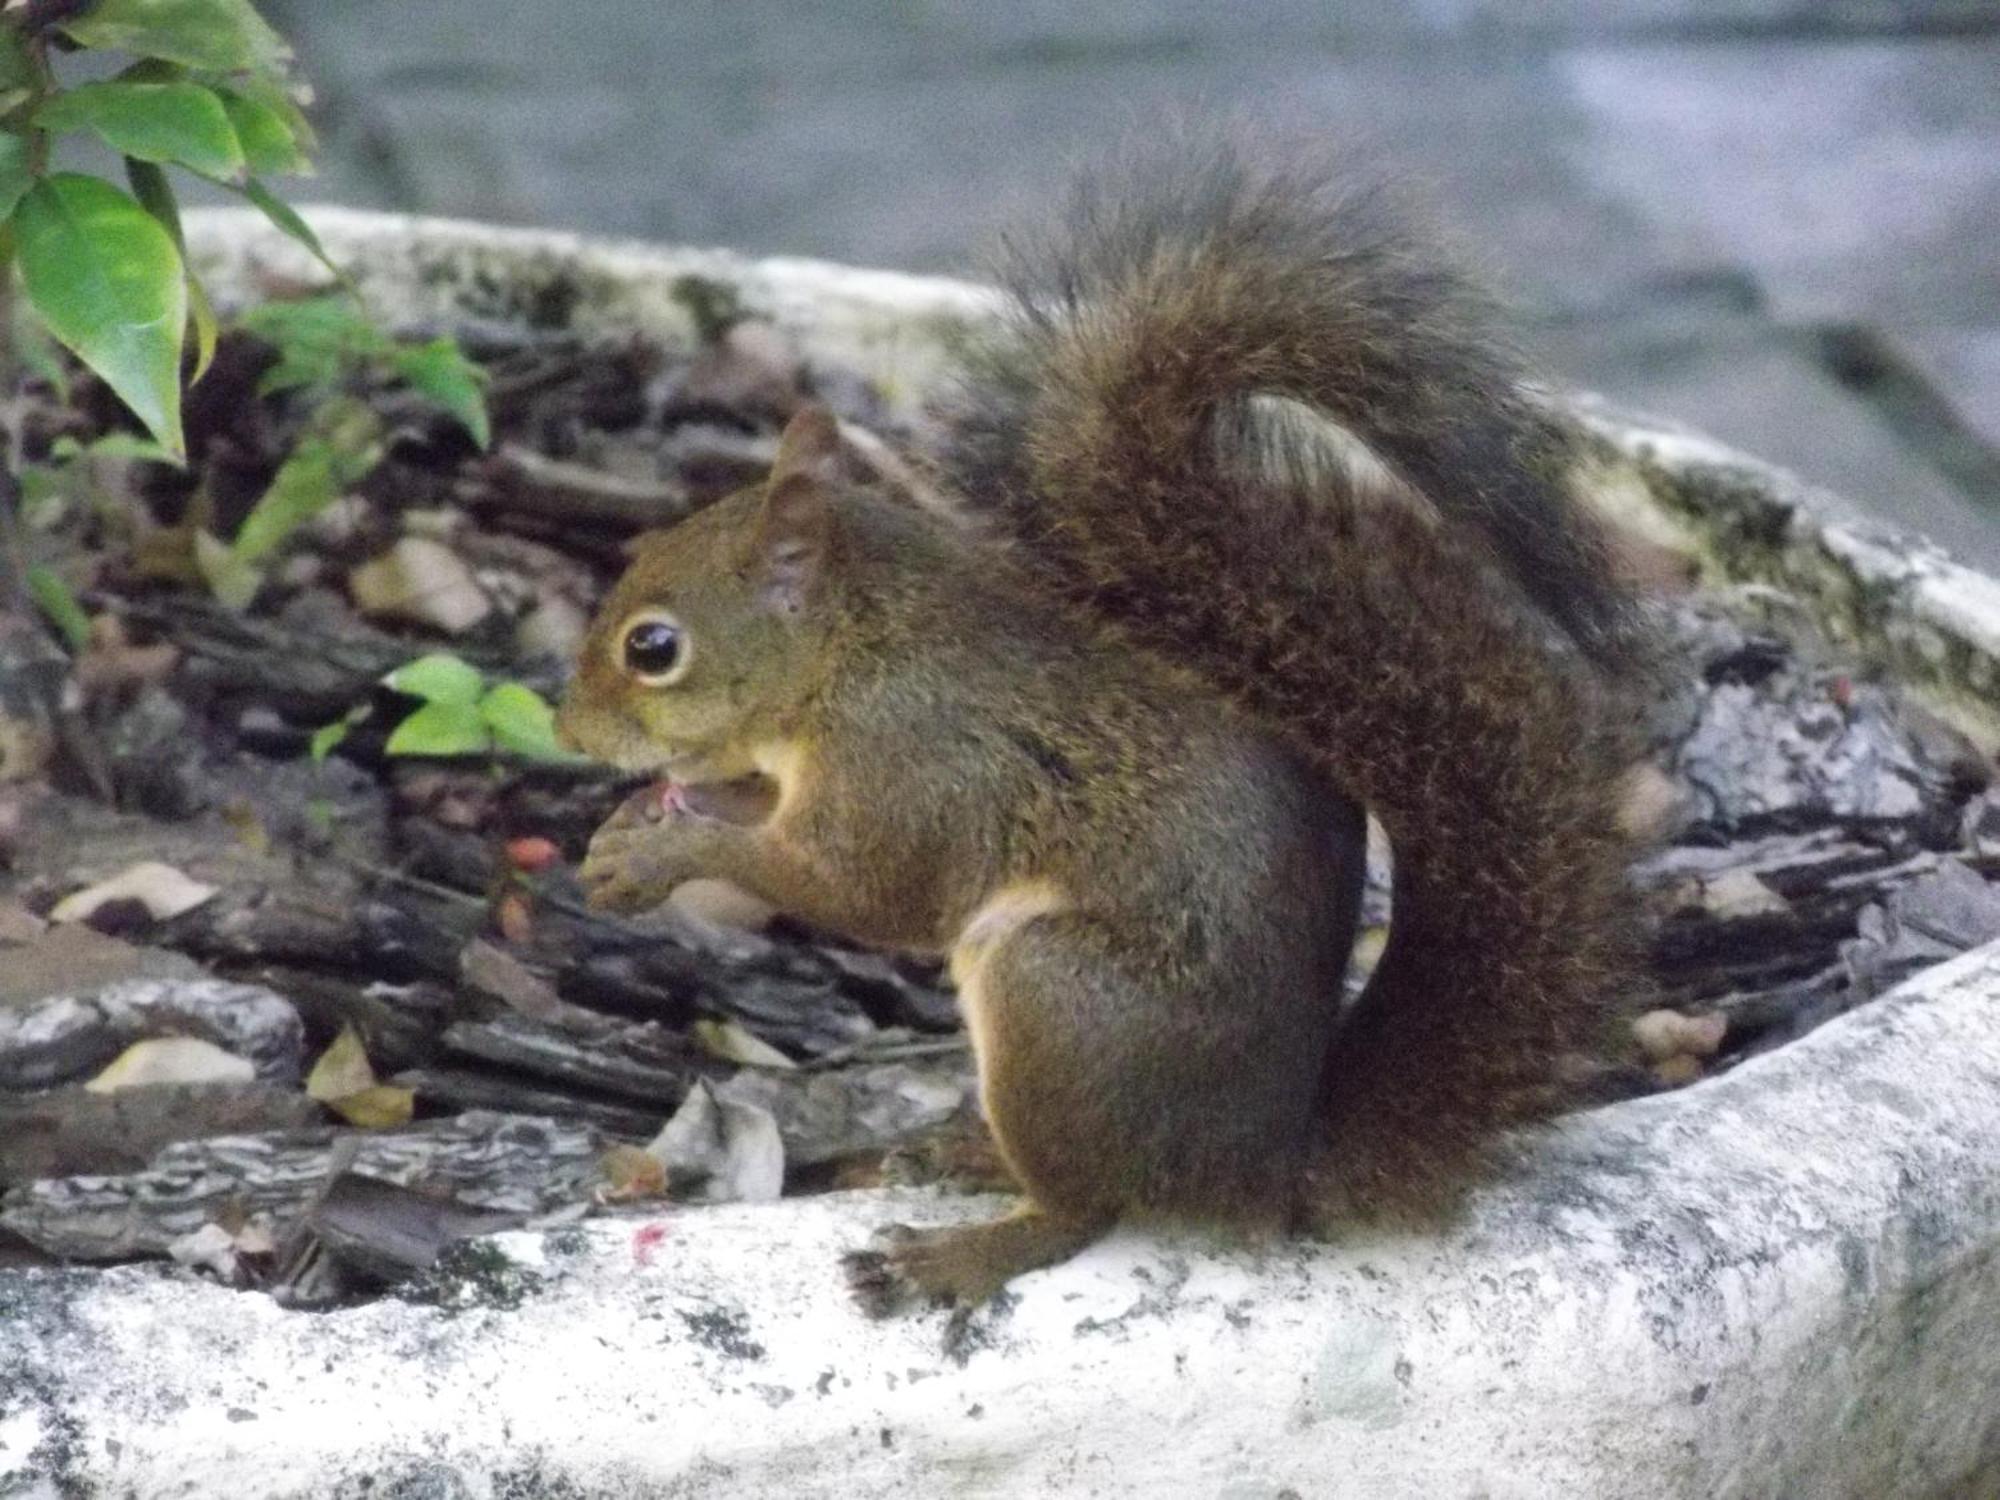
point(1243, 415)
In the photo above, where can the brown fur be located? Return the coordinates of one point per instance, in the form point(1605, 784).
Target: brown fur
point(1113, 439)
point(1108, 750)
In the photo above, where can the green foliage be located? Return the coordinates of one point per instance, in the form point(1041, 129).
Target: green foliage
point(223, 35)
point(53, 598)
point(521, 720)
point(440, 371)
point(459, 715)
point(16, 175)
point(208, 91)
point(108, 282)
point(177, 122)
point(326, 345)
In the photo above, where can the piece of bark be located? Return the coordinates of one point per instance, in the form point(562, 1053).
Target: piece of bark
point(633, 1061)
point(509, 1164)
point(72, 1132)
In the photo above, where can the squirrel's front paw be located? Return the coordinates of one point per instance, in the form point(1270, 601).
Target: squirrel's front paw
point(631, 868)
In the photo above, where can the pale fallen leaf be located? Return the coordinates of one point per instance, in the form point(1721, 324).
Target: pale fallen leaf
point(1736, 894)
point(1666, 1034)
point(209, 1248)
point(171, 1059)
point(342, 1070)
point(422, 581)
point(730, 1042)
point(164, 891)
point(344, 1081)
point(381, 1107)
point(718, 1150)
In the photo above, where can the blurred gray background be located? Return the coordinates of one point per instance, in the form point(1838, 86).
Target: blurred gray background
point(1776, 219)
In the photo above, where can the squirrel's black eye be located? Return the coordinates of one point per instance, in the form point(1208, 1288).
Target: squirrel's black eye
point(654, 649)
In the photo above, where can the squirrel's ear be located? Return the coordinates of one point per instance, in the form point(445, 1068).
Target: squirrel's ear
point(796, 527)
point(809, 446)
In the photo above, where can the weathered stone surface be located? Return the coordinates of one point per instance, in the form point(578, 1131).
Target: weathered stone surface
point(1779, 1282)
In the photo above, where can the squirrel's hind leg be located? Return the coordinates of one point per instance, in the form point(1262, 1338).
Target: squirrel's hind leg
point(1099, 1103)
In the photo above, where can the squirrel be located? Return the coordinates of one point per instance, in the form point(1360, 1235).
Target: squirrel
point(1243, 525)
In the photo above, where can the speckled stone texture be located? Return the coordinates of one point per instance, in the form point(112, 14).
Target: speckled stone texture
point(1779, 1282)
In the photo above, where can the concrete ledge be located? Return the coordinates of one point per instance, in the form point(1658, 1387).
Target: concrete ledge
point(1785, 1281)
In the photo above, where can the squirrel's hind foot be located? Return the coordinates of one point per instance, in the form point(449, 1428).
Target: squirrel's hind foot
point(960, 1267)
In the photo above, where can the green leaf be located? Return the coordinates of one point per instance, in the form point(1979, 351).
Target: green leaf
point(269, 143)
point(441, 371)
point(113, 445)
point(440, 729)
point(60, 605)
point(107, 280)
point(17, 73)
point(233, 581)
point(283, 99)
point(207, 333)
point(15, 178)
point(150, 186)
point(227, 35)
point(326, 737)
point(177, 122)
point(286, 218)
point(44, 496)
point(156, 195)
point(317, 339)
point(36, 350)
point(438, 677)
point(303, 487)
point(522, 721)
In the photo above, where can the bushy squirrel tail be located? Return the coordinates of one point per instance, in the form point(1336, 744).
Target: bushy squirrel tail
point(1407, 592)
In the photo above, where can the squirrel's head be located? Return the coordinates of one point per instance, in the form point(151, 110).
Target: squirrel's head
point(716, 630)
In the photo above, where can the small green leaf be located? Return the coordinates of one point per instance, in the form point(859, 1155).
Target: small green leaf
point(303, 487)
point(317, 339)
point(440, 728)
point(115, 445)
point(17, 73)
point(269, 144)
point(107, 280)
point(36, 350)
point(59, 604)
point(438, 677)
point(150, 186)
point(177, 122)
point(232, 581)
point(283, 99)
point(207, 333)
point(522, 721)
point(287, 219)
point(327, 737)
point(227, 35)
point(15, 177)
point(441, 371)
